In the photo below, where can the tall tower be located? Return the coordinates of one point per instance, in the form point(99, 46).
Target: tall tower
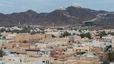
point(19, 24)
point(112, 43)
point(53, 25)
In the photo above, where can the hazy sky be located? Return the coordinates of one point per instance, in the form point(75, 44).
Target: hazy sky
point(10, 6)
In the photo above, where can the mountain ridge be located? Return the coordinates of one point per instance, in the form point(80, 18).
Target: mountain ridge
point(63, 16)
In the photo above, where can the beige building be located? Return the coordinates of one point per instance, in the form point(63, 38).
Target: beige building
point(40, 60)
point(86, 49)
point(25, 60)
point(42, 45)
point(37, 52)
point(77, 60)
point(88, 60)
point(11, 60)
point(28, 37)
point(21, 37)
point(57, 43)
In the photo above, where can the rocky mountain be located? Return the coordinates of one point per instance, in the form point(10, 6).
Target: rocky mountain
point(63, 16)
point(104, 19)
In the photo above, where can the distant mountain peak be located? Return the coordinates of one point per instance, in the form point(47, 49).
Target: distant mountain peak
point(76, 6)
point(31, 11)
point(62, 8)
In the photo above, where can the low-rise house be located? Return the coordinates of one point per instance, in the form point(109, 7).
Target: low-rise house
point(21, 37)
point(37, 52)
point(13, 59)
point(59, 48)
point(9, 45)
point(69, 50)
point(85, 49)
point(40, 60)
point(89, 59)
point(25, 60)
point(57, 43)
point(99, 52)
point(24, 46)
point(97, 43)
point(42, 45)
point(86, 59)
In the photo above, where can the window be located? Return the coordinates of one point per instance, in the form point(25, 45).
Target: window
point(12, 46)
point(43, 61)
point(48, 62)
point(9, 59)
point(86, 50)
point(79, 50)
point(20, 60)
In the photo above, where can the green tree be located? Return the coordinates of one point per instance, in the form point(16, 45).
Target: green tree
point(101, 34)
point(82, 35)
point(110, 55)
point(88, 35)
point(15, 31)
point(65, 34)
point(2, 53)
point(2, 30)
point(74, 34)
point(89, 23)
point(108, 47)
point(25, 41)
point(59, 28)
point(105, 62)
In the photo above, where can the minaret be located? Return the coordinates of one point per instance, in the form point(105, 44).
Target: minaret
point(53, 25)
point(112, 43)
point(19, 23)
